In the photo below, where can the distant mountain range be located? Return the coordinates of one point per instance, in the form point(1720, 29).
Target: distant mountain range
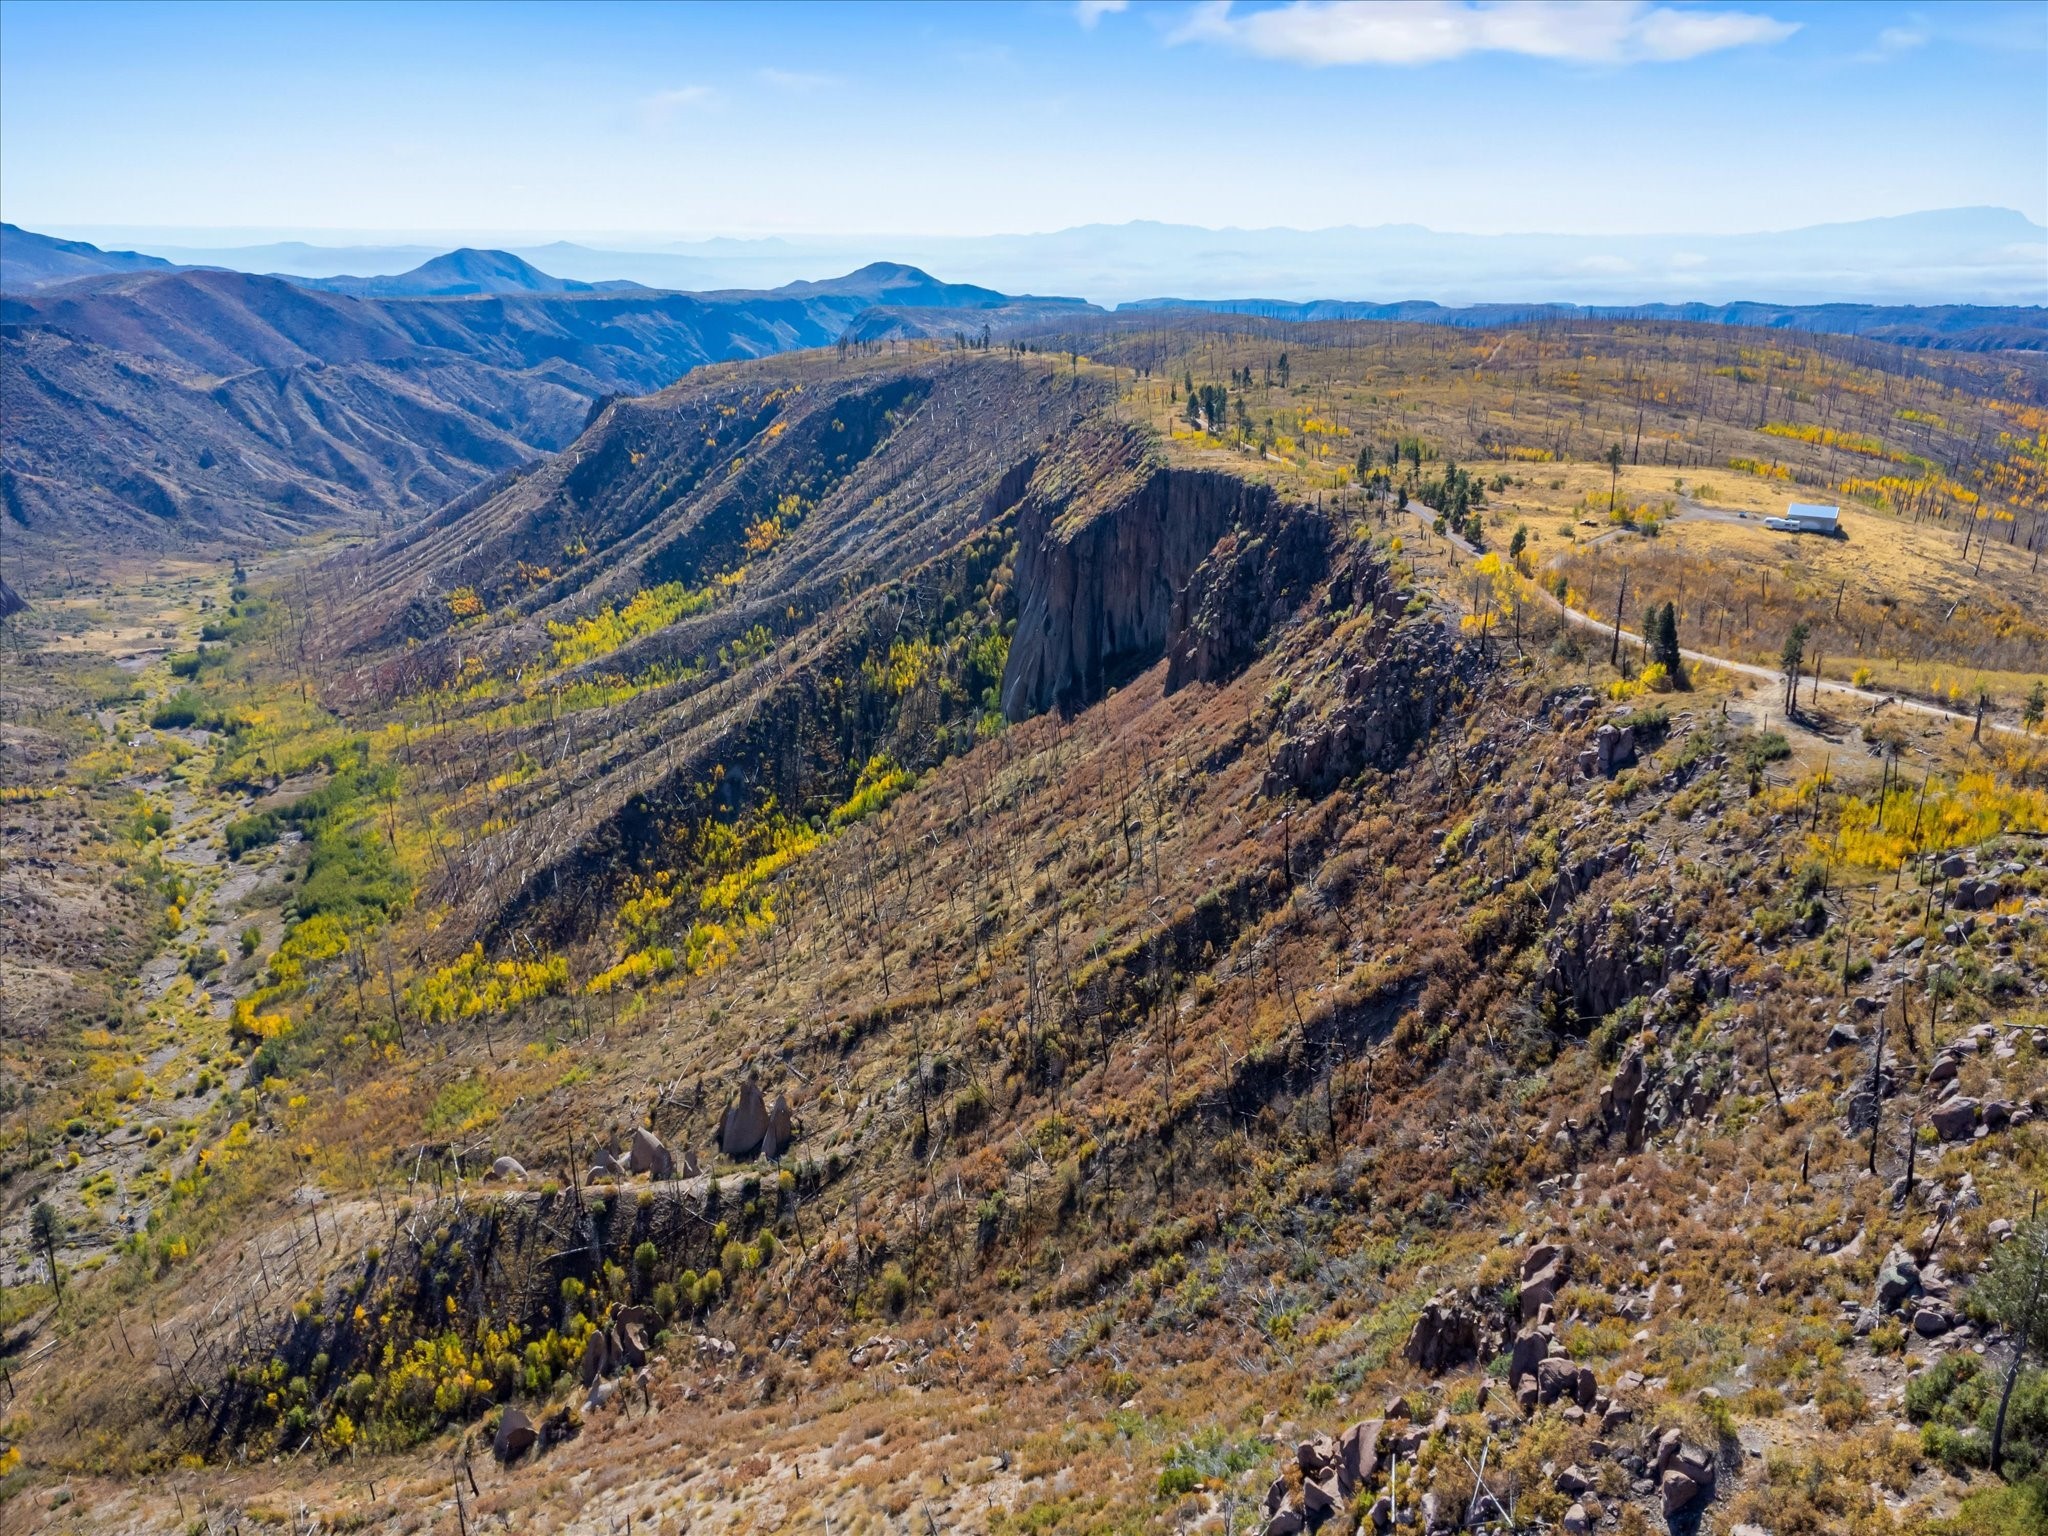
point(461, 274)
point(29, 261)
point(155, 404)
point(179, 407)
point(1986, 256)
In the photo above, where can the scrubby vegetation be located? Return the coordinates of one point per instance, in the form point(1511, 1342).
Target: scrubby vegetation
point(1157, 1068)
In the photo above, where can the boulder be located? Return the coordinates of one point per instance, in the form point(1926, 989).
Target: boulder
point(629, 1342)
point(515, 1434)
point(691, 1167)
point(781, 1127)
point(1316, 1454)
point(1321, 1497)
point(1532, 1347)
point(1931, 1321)
point(1358, 1455)
point(1980, 895)
point(1276, 1496)
point(1685, 1472)
point(1954, 867)
point(506, 1168)
point(745, 1124)
point(647, 1155)
point(1576, 1521)
point(1612, 746)
point(1543, 1269)
point(1668, 1446)
point(1897, 1278)
point(1955, 1120)
point(1680, 1492)
point(645, 1319)
point(1284, 1521)
point(596, 1357)
point(1405, 1443)
point(1572, 1481)
point(1448, 1332)
point(1556, 1378)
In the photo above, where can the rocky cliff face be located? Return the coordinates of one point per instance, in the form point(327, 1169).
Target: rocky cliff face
point(1250, 581)
point(1394, 677)
point(1103, 566)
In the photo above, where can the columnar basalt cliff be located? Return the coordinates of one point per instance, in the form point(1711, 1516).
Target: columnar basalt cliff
point(1103, 563)
point(1255, 576)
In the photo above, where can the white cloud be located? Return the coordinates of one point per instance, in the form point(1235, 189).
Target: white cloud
point(1892, 42)
point(663, 107)
point(1089, 12)
point(1321, 32)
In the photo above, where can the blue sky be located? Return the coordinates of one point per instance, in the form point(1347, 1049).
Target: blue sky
point(651, 122)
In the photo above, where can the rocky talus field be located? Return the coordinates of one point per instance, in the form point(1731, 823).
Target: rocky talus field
point(942, 937)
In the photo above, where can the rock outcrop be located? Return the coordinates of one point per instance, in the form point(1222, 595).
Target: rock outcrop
point(1332, 1473)
point(1685, 1473)
point(1647, 1094)
point(515, 1435)
point(1453, 1328)
point(1245, 587)
point(781, 1128)
point(745, 1124)
point(1611, 747)
point(1544, 1268)
point(1540, 1372)
point(1606, 953)
point(1398, 678)
point(1102, 563)
point(647, 1155)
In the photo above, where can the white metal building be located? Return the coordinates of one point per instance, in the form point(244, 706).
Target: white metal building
point(1807, 517)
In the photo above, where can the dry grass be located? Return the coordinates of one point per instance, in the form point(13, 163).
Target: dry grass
point(1894, 600)
point(1131, 1227)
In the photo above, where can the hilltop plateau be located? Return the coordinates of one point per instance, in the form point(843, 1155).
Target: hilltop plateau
point(1147, 923)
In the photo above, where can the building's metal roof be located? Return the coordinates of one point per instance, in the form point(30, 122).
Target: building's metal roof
point(1812, 512)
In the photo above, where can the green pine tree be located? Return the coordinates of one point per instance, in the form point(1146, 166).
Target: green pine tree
point(1664, 644)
